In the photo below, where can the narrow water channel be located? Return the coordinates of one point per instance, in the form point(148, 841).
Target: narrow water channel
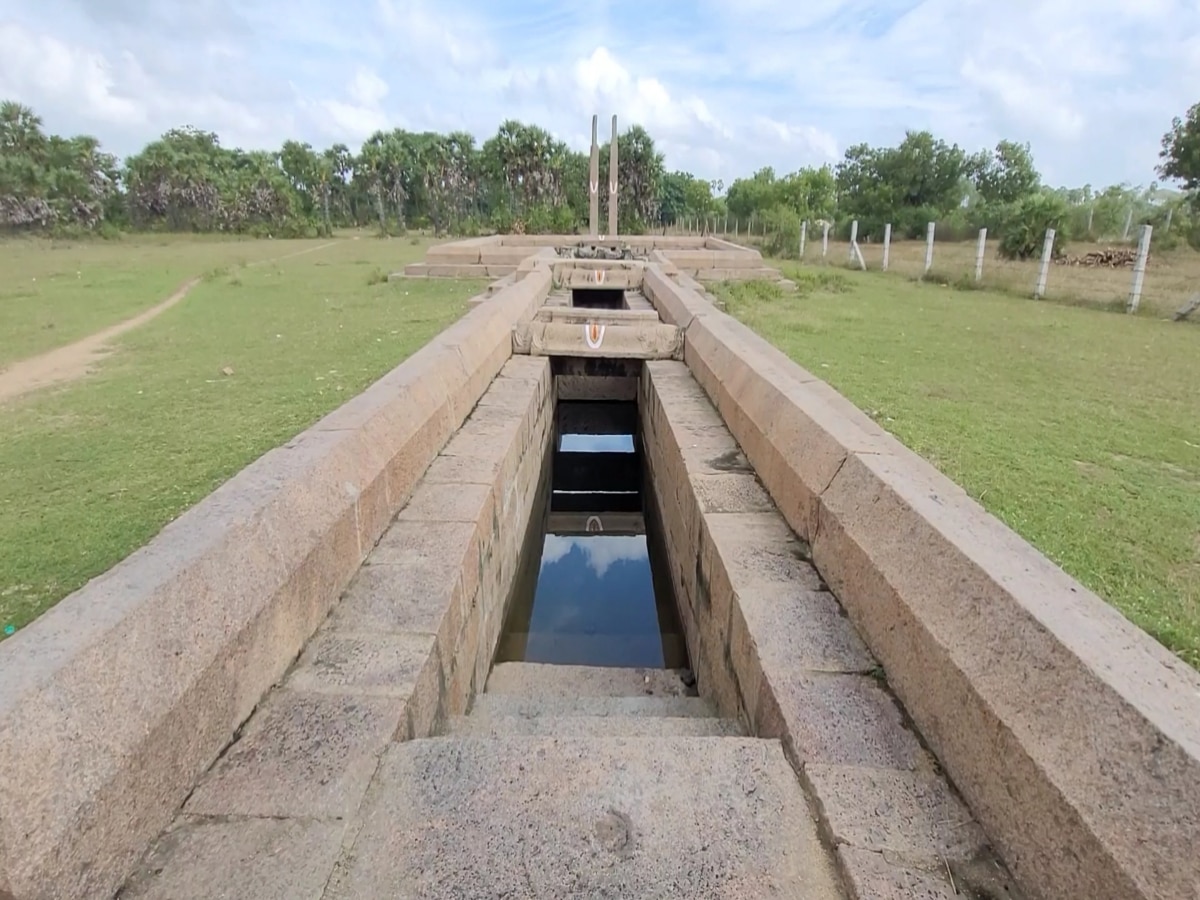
point(593, 587)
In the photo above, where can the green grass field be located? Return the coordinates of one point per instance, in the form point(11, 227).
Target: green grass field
point(92, 470)
point(1079, 429)
point(55, 292)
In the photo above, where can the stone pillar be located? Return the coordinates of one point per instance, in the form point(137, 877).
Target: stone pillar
point(594, 184)
point(612, 182)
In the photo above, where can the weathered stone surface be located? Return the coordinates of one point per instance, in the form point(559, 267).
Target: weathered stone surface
point(534, 679)
point(210, 614)
point(640, 341)
point(267, 859)
point(300, 756)
point(871, 876)
point(596, 705)
point(384, 665)
point(1105, 819)
point(952, 604)
point(910, 814)
point(546, 817)
point(577, 316)
point(481, 724)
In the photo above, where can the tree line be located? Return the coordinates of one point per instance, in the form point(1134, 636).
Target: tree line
point(523, 179)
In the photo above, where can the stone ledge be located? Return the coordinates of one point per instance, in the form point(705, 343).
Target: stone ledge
point(115, 701)
point(401, 652)
point(1074, 737)
point(771, 646)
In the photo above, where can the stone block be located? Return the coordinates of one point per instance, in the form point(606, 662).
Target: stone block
point(880, 876)
point(268, 859)
point(456, 253)
point(616, 341)
point(589, 816)
point(300, 756)
point(844, 720)
point(913, 815)
point(959, 605)
point(675, 304)
point(378, 665)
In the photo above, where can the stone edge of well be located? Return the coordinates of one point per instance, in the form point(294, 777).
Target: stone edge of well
point(1072, 734)
point(117, 699)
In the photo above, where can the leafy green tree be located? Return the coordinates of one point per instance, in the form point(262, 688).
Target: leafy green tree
point(1007, 175)
point(1180, 152)
point(918, 181)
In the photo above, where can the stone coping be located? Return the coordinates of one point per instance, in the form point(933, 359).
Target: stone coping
point(117, 699)
point(1073, 736)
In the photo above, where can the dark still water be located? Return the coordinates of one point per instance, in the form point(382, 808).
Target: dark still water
point(593, 587)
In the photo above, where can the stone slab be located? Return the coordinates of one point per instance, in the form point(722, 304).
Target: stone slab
point(641, 341)
point(225, 858)
point(911, 814)
point(364, 664)
point(483, 725)
point(554, 817)
point(300, 756)
point(595, 706)
point(539, 680)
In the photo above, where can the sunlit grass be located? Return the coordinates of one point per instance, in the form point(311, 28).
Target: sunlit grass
point(1079, 429)
point(91, 471)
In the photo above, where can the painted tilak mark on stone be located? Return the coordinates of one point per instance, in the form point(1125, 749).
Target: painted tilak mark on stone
point(593, 333)
point(594, 187)
point(593, 524)
point(598, 276)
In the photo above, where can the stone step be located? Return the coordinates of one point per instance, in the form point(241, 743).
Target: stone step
point(543, 680)
point(665, 707)
point(483, 725)
point(552, 817)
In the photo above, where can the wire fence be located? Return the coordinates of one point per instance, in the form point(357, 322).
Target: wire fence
point(1104, 275)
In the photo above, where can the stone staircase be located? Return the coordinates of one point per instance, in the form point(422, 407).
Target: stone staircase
point(576, 701)
point(573, 781)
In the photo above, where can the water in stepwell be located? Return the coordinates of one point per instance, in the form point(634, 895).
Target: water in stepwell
point(594, 587)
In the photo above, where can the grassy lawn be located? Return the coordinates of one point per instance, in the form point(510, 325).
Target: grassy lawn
point(56, 292)
point(91, 471)
point(1079, 429)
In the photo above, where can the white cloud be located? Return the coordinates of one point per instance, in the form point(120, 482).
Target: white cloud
point(724, 92)
point(601, 552)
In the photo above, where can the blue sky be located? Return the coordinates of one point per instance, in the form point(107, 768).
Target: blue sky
point(724, 87)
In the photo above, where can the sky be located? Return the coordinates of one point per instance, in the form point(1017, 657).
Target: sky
point(724, 87)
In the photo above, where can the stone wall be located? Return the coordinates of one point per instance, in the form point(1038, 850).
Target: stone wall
point(113, 703)
point(1073, 736)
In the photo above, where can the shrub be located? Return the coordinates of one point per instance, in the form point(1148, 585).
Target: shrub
point(1024, 228)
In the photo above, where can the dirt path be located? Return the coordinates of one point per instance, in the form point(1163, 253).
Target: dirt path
point(76, 360)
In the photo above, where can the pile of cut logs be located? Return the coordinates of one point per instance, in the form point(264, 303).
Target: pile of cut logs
point(1112, 258)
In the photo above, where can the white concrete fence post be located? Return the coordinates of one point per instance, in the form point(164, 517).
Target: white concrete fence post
point(853, 238)
point(1044, 270)
point(825, 241)
point(887, 244)
point(929, 246)
point(803, 236)
point(1128, 225)
point(979, 255)
point(1139, 269)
